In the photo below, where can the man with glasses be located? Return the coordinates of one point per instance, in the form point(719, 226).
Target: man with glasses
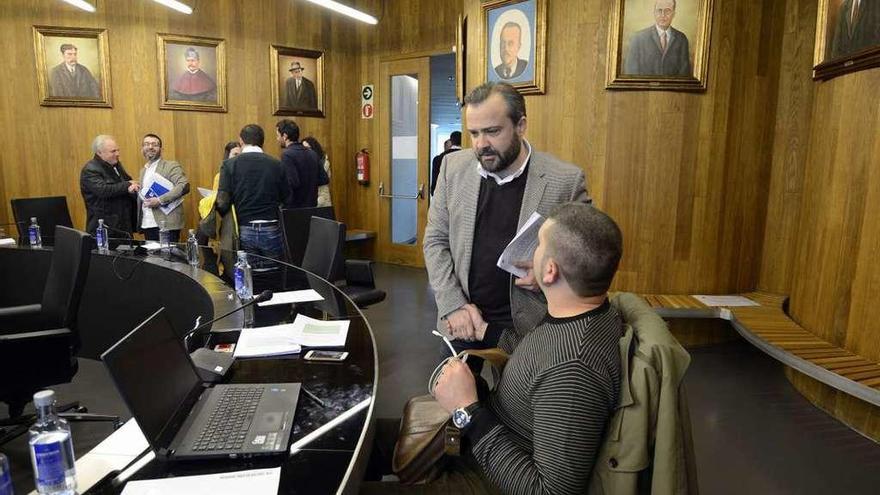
point(164, 183)
point(659, 50)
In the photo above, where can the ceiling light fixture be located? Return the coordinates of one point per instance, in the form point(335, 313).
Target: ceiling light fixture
point(345, 10)
point(82, 4)
point(174, 4)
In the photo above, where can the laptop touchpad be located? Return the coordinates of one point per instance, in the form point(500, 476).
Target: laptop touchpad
point(269, 422)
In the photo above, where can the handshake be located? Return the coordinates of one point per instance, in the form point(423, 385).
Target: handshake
point(133, 186)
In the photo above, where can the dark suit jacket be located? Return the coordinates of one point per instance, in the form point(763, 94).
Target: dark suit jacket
point(106, 195)
point(644, 57)
point(304, 175)
point(305, 99)
point(850, 37)
point(435, 166)
point(520, 68)
point(80, 84)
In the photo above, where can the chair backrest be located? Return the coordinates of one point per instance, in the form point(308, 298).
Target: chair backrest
point(323, 255)
point(50, 211)
point(295, 224)
point(67, 276)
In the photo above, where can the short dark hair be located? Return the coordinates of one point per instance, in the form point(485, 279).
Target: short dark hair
point(68, 46)
point(231, 145)
point(587, 245)
point(316, 147)
point(516, 104)
point(455, 138)
point(252, 134)
point(289, 127)
point(152, 136)
point(511, 24)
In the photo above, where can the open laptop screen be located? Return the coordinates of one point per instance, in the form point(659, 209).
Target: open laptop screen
point(153, 374)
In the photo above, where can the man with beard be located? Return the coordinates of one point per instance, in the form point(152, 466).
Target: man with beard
point(483, 196)
point(151, 215)
point(107, 189)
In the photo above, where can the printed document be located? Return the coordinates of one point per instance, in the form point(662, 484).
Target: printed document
point(158, 187)
point(252, 482)
point(522, 247)
point(266, 341)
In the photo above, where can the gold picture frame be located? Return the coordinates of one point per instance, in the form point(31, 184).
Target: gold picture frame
point(73, 67)
point(192, 73)
point(514, 43)
point(640, 59)
point(461, 59)
point(847, 39)
point(297, 81)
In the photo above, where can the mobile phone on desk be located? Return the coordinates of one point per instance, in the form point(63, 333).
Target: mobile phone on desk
point(335, 356)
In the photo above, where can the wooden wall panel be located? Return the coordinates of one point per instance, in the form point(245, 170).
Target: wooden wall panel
point(51, 144)
point(684, 174)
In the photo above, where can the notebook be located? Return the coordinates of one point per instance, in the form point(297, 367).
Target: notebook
point(184, 418)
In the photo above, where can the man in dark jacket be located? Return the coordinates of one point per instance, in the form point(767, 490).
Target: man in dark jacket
point(107, 189)
point(300, 164)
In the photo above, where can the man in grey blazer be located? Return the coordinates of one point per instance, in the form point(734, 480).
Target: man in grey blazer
point(483, 196)
point(150, 214)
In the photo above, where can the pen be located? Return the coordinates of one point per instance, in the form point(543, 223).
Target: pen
point(313, 397)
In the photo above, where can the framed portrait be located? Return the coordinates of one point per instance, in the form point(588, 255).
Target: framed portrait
point(659, 44)
point(847, 37)
point(297, 79)
point(514, 43)
point(73, 67)
point(192, 73)
point(461, 59)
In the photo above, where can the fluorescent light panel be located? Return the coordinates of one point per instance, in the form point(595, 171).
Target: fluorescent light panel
point(174, 4)
point(82, 4)
point(345, 10)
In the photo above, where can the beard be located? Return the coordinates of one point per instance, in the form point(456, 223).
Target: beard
point(494, 162)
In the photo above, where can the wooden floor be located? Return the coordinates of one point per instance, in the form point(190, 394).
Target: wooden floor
point(768, 327)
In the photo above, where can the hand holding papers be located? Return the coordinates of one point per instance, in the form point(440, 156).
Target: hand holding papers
point(157, 188)
point(288, 339)
point(522, 247)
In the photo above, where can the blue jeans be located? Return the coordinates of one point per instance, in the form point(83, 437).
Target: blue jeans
point(264, 240)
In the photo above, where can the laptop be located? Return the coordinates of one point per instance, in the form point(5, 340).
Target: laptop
point(184, 418)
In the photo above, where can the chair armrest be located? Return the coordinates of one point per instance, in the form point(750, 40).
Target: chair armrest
point(14, 338)
point(31, 355)
point(359, 272)
point(23, 318)
point(23, 310)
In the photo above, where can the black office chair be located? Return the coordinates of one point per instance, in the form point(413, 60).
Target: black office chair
point(38, 342)
point(295, 223)
point(323, 257)
point(49, 211)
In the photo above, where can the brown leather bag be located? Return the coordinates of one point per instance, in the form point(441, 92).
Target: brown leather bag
point(427, 434)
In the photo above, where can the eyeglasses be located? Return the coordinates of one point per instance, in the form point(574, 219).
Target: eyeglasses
point(152, 145)
point(664, 11)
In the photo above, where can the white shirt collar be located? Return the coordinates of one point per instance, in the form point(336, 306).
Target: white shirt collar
point(249, 148)
point(504, 180)
point(152, 163)
point(668, 32)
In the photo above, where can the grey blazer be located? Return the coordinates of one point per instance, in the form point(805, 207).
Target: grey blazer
point(449, 234)
point(174, 173)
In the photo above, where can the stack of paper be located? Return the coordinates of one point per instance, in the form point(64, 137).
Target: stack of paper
point(289, 338)
point(522, 247)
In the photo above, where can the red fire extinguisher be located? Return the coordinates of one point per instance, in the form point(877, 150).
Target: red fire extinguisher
point(363, 166)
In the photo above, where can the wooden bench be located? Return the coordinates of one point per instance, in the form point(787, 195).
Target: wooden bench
point(769, 329)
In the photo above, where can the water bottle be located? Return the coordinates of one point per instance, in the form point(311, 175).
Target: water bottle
point(192, 249)
point(164, 237)
point(244, 286)
point(5, 477)
point(34, 234)
point(101, 234)
point(51, 449)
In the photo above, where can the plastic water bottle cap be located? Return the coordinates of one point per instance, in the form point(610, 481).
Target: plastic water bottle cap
point(44, 398)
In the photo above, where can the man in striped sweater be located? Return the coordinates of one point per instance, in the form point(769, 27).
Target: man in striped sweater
point(542, 427)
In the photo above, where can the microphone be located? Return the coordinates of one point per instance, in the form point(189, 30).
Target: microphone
point(212, 365)
point(135, 250)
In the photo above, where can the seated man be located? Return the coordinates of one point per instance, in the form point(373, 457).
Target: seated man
point(541, 429)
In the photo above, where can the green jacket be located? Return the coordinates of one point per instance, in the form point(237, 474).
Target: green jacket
point(648, 439)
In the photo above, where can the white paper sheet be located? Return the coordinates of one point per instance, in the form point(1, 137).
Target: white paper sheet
point(725, 300)
point(310, 332)
point(266, 341)
point(252, 482)
point(205, 192)
point(166, 185)
point(521, 247)
point(294, 296)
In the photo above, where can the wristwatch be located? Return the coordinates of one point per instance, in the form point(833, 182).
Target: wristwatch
point(462, 416)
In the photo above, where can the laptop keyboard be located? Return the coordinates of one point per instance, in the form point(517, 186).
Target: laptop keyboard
point(228, 425)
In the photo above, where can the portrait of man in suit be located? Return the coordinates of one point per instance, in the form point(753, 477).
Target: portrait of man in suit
point(660, 49)
point(857, 27)
point(510, 44)
point(193, 84)
point(71, 79)
point(299, 91)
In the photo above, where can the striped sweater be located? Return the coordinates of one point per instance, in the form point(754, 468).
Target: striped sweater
point(541, 429)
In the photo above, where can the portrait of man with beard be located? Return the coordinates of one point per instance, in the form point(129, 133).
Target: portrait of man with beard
point(483, 196)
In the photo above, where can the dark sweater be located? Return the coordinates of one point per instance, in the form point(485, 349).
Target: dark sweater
point(496, 222)
point(304, 175)
point(255, 184)
point(540, 431)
